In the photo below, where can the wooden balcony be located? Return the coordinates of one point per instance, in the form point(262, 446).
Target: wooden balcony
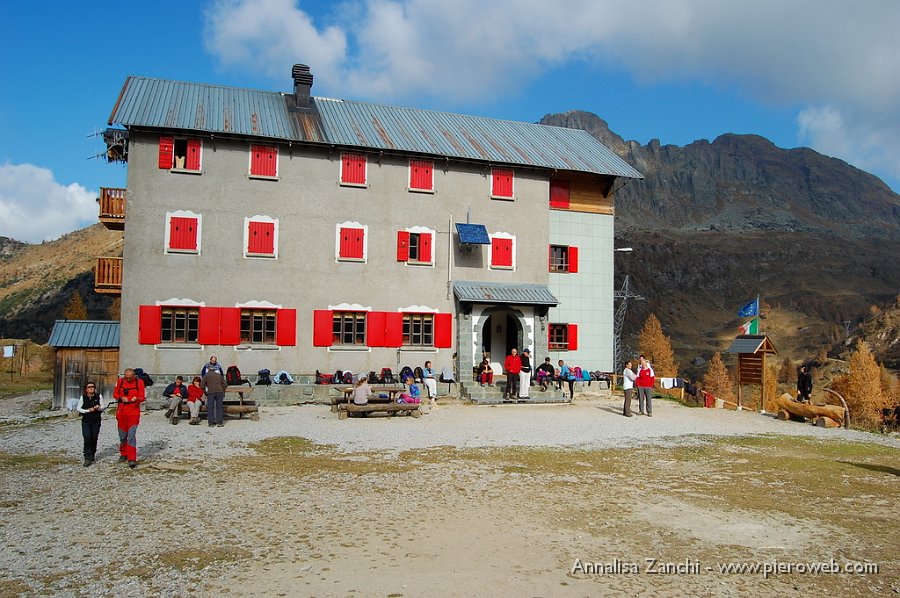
point(108, 275)
point(112, 207)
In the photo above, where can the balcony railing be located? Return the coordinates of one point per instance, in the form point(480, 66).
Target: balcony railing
point(108, 275)
point(112, 207)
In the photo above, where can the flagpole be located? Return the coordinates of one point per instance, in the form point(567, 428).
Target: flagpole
point(758, 318)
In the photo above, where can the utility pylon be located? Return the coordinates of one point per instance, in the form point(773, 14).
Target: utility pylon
point(619, 320)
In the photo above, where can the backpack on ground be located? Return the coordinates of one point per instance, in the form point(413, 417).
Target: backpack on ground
point(576, 371)
point(144, 376)
point(263, 377)
point(373, 377)
point(233, 377)
point(347, 378)
point(283, 377)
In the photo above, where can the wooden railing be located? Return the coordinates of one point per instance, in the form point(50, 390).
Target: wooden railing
point(112, 207)
point(108, 275)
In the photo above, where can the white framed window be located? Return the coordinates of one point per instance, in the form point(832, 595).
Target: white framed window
point(502, 251)
point(351, 242)
point(261, 237)
point(182, 234)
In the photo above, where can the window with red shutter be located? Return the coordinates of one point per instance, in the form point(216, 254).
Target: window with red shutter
point(351, 243)
point(573, 260)
point(415, 246)
point(443, 331)
point(286, 327)
point(166, 152)
point(421, 175)
point(208, 333)
point(264, 161)
point(502, 183)
point(573, 337)
point(261, 237)
point(322, 328)
point(402, 245)
point(149, 324)
point(229, 326)
point(559, 194)
point(353, 169)
point(563, 259)
point(501, 252)
point(193, 152)
point(383, 329)
point(182, 233)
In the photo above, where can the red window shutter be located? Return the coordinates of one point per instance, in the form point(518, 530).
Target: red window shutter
point(421, 175)
point(149, 324)
point(559, 194)
point(550, 258)
point(229, 326)
point(425, 248)
point(263, 160)
point(501, 252)
point(443, 331)
point(402, 246)
point(353, 169)
point(183, 233)
point(286, 327)
point(323, 328)
point(375, 329)
point(208, 326)
point(261, 237)
point(393, 329)
point(573, 259)
point(166, 152)
point(573, 337)
point(192, 160)
point(502, 185)
point(352, 243)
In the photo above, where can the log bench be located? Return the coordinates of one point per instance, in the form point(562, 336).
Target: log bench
point(345, 409)
point(347, 395)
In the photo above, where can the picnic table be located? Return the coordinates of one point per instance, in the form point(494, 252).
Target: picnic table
point(241, 406)
point(391, 390)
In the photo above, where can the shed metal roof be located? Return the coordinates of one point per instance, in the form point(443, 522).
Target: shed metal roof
point(752, 343)
point(497, 292)
point(176, 105)
point(89, 334)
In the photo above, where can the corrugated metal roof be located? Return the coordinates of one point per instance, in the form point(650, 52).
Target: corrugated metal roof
point(751, 343)
point(497, 292)
point(96, 334)
point(157, 103)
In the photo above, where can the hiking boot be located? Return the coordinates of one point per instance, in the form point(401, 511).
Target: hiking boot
point(175, 420)
point(132, 464)
point(649, 414)
point(194, 421)
point(168, 413)
point(122, 458)
point(88, 462)
point(220, 425)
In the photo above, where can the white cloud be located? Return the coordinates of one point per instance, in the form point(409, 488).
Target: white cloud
point(833, 56)
point(34, 207)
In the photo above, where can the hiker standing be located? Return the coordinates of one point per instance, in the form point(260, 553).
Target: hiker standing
point(212, 365)
point(511, 367)
point(129, 392)
point(804, 384)
point(90, 405)
point(213, 383)
point(525, 373)
point(628, 378)
point(644, 382)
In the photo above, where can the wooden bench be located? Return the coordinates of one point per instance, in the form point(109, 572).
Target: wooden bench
point(347, 395)
point(345, 409)
point(240, 407)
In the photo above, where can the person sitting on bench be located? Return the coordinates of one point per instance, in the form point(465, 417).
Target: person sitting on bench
point(485, 373)
point(195, 400)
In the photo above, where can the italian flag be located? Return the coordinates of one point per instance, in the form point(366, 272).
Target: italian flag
point(751, 327)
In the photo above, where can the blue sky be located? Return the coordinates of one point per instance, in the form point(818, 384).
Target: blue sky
point(817, 73)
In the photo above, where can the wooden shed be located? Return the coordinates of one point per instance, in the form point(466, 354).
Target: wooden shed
point(85, 350)
point(751, 350)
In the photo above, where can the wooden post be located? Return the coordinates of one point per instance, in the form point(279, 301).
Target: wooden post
point(762, 386)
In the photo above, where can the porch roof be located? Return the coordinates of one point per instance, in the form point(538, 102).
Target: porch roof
point(499, 292)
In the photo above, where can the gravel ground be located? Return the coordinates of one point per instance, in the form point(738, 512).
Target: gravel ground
point(109, 531)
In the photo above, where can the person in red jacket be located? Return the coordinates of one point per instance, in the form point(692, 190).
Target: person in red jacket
point(644, 382)
point(511, 367)
point(129, 392)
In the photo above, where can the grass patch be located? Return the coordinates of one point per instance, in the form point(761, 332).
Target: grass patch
point(10, 461)
point(194, 559)
point(15, 587)
point(300, 457)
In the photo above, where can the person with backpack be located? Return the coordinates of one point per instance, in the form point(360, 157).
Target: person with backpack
point(90, 406)
point(212, 365)
point(175, 392)
point(213, 383)
point(644, 382)
point(129, 392)
point(566, 375)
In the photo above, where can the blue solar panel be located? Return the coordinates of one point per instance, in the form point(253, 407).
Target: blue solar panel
point(475, 234)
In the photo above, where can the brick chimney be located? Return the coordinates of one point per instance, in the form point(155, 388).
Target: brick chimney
point(303, 81)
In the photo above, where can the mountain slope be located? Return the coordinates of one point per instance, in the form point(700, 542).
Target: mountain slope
point(36, 281)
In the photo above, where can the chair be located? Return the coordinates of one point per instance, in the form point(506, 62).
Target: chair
point(448, 377)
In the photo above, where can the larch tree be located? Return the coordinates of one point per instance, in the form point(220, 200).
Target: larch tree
point(75, 309)
point(865, 395)
point(657, 347)
point(717, 380)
